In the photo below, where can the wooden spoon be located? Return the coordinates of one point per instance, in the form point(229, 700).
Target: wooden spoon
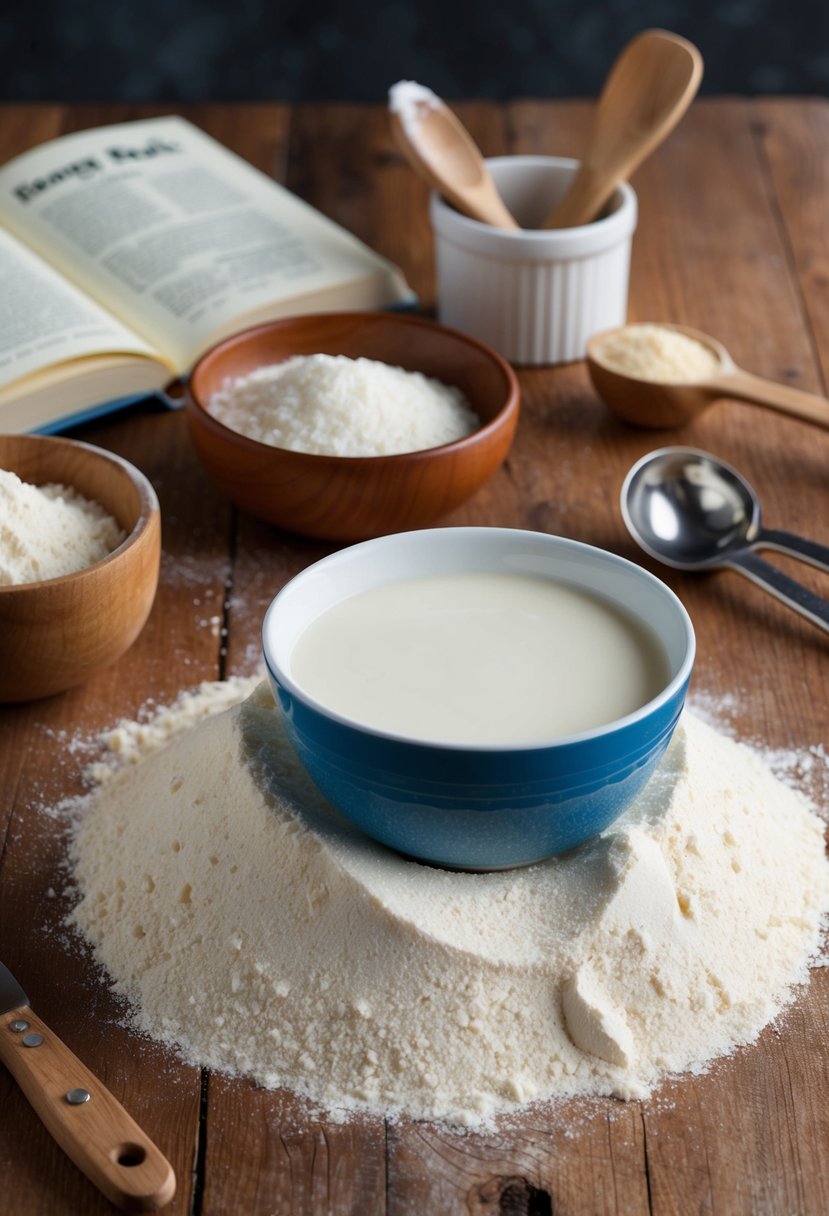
point(649, 88)
point(657, 404)
point(441, 151)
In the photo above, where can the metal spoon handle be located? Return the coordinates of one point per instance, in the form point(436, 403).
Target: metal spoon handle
point(786, 589)
point(798, 546)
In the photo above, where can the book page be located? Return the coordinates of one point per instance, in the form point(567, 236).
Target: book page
point(174, 233)
point(46, 321)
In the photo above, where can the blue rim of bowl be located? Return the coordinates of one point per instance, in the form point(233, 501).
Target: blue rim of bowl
point(656, 703)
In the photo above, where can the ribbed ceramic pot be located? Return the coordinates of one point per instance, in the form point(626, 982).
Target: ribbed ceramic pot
point(536, 295)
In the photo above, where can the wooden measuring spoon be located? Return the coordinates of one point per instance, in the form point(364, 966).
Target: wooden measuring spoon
point(441, 151)
point(649, 88)
point(658, 404)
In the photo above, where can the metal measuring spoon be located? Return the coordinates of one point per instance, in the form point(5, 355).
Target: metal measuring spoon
point(694, 512)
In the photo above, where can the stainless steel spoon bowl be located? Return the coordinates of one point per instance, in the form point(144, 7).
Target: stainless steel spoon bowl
point(693, 511)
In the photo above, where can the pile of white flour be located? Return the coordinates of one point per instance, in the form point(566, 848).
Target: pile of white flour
point(50, 530)
point(335, 406)
point(250, 927)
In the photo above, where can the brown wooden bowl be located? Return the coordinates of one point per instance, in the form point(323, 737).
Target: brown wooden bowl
point(56, 633)
point(355, 497)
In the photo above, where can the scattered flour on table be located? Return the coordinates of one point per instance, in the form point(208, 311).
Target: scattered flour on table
point(130, 741)
point(336, 406)
point(250, 927)
point(804, 768)
point(50, 530)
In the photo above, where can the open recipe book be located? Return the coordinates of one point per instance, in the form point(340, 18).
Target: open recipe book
point(127, 251)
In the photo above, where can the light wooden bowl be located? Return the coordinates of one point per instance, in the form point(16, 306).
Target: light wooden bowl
point(56, 633)
point(353, 498)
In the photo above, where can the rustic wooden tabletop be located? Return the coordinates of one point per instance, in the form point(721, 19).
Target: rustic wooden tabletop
point(732, 239)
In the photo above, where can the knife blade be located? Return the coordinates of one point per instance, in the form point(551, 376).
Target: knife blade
point(12, 995)
point(88, 1123)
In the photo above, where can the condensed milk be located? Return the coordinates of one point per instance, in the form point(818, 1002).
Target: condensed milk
point(479, 658)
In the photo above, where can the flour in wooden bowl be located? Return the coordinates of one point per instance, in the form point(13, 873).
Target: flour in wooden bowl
point(257, 932)
point(331, 405)
point(50, 530)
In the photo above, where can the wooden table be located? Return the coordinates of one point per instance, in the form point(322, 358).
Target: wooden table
point(732, 239)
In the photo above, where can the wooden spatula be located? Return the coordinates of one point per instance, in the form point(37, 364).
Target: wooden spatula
point(649, 88)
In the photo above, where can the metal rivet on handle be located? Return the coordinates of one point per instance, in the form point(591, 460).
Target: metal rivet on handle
point(32, 1040)
point(19, 1026)
point(77, 1097)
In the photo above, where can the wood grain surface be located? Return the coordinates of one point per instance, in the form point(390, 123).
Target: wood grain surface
point(733, 240)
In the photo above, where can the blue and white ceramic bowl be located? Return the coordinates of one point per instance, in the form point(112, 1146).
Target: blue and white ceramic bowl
point(478, 807)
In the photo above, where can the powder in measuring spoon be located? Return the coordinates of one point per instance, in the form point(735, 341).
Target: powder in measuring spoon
point(658, 353)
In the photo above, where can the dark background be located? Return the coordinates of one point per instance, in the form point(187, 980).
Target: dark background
point(192, 50)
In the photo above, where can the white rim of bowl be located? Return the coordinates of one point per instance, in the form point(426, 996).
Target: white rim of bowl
point(280, 675)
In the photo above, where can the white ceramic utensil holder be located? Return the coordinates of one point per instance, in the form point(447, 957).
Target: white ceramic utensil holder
point(536, 295)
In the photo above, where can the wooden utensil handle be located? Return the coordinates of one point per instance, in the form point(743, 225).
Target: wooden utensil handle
point(743, 386)
point(96, 1132)
point(585, 196)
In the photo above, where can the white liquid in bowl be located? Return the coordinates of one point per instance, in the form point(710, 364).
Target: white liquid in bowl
point(479, 658)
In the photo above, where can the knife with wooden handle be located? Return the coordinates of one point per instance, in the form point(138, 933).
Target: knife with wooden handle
point(81, 1114)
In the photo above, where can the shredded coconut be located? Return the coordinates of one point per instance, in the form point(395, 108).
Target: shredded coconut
point(252, 928)
point(655, 352)
point(335, 406)
point(50, 530)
